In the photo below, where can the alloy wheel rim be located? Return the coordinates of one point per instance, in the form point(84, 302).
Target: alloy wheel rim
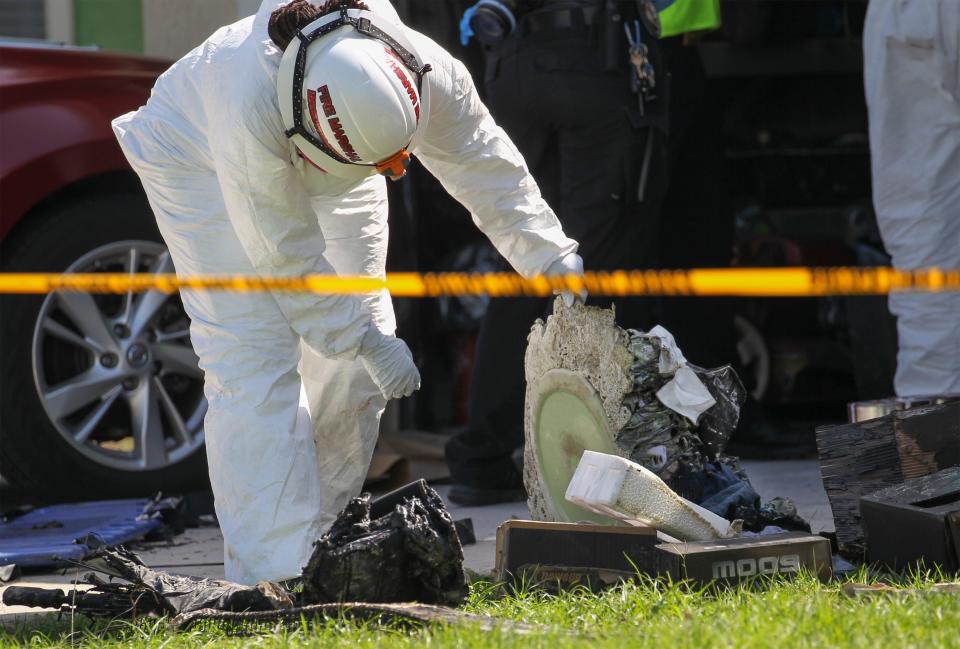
point(116, 375)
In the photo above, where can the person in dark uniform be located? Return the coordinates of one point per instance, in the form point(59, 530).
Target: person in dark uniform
point(697, 210)
point(560, 80)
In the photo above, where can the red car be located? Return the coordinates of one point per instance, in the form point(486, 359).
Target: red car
point(101, 395)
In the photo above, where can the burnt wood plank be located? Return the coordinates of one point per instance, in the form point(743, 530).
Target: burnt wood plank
point(858, 459)
point(928, 440)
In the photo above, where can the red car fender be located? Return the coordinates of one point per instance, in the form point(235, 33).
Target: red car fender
point(56, 105)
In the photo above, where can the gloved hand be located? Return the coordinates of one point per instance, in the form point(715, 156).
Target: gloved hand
point(570, 264)
point(390, 364)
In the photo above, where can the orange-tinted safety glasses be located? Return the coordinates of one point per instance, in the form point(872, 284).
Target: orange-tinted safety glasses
point(395, 167)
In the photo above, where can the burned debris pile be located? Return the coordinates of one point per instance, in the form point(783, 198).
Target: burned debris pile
point(634, 395)
point(409, 552)
point(401, 548)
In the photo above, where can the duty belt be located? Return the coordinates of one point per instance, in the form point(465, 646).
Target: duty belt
point(549, 19)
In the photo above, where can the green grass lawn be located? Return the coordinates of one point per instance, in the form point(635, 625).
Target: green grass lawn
point(803, 613)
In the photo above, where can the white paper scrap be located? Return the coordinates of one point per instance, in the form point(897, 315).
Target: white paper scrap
point(686, 394)
point(671, 357)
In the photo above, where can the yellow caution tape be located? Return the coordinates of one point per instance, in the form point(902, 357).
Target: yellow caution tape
point(747, 282)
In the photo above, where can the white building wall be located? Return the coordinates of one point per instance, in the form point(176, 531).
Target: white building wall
point(58, 15)
point(171, 27)
point(174, 27)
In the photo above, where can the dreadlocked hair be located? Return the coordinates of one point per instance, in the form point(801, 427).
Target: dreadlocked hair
point(286, 21)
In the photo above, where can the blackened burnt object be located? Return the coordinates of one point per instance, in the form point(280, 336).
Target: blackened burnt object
point(409, 553)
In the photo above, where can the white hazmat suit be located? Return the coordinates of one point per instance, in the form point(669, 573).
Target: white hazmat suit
point(912, 80)
point(293, 415)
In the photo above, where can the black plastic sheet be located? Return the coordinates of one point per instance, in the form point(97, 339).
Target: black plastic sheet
point(779, 512)
point(659, 438)
point(183, 594)
point(717, 424)
point(403, 547)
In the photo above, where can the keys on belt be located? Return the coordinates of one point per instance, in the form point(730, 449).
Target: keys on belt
point(643, 81)
point(643, 78)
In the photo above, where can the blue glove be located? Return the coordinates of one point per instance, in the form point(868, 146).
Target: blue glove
point(466, 31)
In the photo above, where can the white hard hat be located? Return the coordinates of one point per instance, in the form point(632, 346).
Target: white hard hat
point(352, 95)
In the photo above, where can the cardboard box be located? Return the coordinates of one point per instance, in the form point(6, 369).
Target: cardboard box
point(917, 521)
point(730, 561)
point(561, 555)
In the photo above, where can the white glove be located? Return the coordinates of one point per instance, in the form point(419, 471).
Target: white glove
point(570, 264)
point(390, 364)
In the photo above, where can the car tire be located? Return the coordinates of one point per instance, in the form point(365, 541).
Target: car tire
point(36, 458)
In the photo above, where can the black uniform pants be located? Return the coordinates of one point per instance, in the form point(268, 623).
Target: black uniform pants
point(571, 119)
point(697, 211)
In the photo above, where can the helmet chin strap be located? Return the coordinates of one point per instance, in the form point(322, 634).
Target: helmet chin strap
point(395, 167)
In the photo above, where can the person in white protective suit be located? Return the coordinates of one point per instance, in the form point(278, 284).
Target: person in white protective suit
point(260, 157)
point(912, 80)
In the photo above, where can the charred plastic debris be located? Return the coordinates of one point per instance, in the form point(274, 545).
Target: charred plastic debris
point(384, 553)
point(402, 548)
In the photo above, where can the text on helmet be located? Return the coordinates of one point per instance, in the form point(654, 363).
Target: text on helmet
point(405, 80)
point(330, 111)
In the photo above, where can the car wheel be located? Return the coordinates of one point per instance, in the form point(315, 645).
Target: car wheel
point(102, 394)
